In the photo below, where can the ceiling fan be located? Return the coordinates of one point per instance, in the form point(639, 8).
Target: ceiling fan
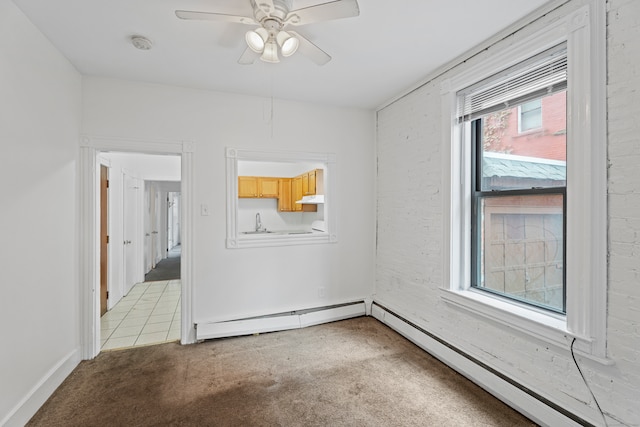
point(271, 17)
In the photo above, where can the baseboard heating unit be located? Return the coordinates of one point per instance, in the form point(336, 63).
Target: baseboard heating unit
point(280, 321)
point(518, 396)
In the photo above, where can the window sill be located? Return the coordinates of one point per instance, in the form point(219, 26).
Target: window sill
point(548, 327)
point(279, 239)
point(530, 132)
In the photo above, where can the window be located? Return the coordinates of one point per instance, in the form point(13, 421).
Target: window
point(518, 217)
point(530, 116)
point(278, 228)
point(518, 199)
point(528, 249)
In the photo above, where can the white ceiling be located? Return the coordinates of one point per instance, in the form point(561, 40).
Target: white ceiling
point(388, 48)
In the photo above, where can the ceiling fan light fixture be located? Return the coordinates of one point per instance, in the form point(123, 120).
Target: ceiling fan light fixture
point(288, 43)
point(270, 53)
point(256, 39)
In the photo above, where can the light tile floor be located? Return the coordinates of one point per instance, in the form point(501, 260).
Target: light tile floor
point(149, 314)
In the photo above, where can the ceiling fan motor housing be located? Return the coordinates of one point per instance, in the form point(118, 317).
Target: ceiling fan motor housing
point(263, 10)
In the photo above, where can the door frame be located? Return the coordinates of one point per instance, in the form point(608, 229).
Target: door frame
point(89, 232)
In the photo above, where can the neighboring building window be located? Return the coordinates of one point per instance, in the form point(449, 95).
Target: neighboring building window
point(530, 116)
point(518, 201)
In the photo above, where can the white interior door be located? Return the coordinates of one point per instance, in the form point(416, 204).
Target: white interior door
point(150, 227)
point(131, 194)
point(170, 202)
point(176, 218)
point(159, 214)
point(173, 219)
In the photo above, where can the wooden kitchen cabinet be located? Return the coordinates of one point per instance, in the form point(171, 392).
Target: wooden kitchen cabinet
point(298, 186)
point(286, 190)
point(311, 188)
point(285, 200)
point(312, 182)
point(305, 183)
point(257, 187)
point(296, 193)
point(268, 187)
point(247, 186)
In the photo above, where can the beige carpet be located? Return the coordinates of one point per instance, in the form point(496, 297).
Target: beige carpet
point(355, 372)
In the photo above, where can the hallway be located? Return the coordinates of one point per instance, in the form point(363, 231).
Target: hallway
point(149, 314)
point(168, 268)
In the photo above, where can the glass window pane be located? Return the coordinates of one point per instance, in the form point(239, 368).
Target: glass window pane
point(513, 160)
point(521, 248)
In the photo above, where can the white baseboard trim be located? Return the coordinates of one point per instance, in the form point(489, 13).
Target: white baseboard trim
point(39, 394)
point(507, 391)
point(282, 322)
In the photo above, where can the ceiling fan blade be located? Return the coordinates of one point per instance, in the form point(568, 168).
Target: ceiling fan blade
point(337, 9)
point(248, 57)
point(310, 50)
point(210, 16)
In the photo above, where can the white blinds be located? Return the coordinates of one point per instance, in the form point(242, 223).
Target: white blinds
point(540, 75)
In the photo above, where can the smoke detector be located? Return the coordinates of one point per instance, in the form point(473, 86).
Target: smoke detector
point(140, 42)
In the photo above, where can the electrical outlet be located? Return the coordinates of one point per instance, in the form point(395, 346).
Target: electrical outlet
point(321, 292)
point(204, 210)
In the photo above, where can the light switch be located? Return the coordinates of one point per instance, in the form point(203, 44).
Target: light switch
point(204, 210)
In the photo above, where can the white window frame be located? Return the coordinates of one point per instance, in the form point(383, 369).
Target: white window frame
point(586, 267)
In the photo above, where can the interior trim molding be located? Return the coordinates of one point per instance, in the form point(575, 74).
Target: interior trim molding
point(38, 395)
point(88, 240)
point(235, 239)
point(518, 396)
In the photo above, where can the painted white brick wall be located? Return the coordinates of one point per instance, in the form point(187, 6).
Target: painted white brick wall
point(623, 85)
point(409, 238)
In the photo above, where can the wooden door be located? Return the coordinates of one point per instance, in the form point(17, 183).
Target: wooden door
point(104, 238)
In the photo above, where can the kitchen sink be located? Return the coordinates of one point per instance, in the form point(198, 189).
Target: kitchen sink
point(257, 232)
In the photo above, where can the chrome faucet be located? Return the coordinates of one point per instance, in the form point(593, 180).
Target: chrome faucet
point(258, 223)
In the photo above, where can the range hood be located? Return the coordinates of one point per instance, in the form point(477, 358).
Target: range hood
point(315, 199)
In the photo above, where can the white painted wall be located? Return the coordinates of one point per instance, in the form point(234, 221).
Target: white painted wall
point(236, 283)
point(148, 167)
point(40, 113)
point(409, 246)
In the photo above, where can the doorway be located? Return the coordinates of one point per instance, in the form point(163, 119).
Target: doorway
point(90, 149)
point(162, 231)
point(141, 312)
